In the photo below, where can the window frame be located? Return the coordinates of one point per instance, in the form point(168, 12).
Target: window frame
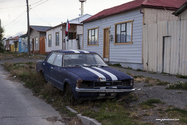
point(94, 36)
point(36, 40)
point(50, 41)
point(115, 38)
point(56, 39)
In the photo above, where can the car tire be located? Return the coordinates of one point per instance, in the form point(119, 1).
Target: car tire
point(69, 93)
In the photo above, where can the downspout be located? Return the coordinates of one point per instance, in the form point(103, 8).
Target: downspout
point(142, 35)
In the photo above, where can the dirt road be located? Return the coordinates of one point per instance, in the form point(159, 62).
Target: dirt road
point(18, 106)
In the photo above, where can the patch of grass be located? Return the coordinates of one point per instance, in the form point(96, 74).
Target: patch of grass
point(178, 85)
point(177, 113)
point(128, 72)
point(140, 70)
point(116, 65)
point(138, 76)
point(149, 103)
point(147, 79)
point(181, 76)
point(162, 83)
point(111, 113)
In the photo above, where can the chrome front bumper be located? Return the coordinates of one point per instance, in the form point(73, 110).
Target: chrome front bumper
point(104, 90)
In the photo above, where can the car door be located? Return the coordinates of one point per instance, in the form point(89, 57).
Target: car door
point(56, 71)
point(47, 66)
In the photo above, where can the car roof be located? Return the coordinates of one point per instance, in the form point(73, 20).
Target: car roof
point(73, 51)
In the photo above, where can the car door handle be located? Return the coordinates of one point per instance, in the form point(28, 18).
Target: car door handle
point(51, 67)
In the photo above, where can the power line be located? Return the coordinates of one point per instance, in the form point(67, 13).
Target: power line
point(40, 18)
point(13, 7)
point(36, 2)
point(15, 19)
point(39, 4)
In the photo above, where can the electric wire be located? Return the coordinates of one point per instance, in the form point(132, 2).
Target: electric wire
point(39, 4)
point(39, 17)
point(16, 18)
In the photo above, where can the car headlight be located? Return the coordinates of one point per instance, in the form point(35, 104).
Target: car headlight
point(84, 84)
point(132, 82)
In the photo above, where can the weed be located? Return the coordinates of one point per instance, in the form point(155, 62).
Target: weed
point(181, 76)
point(128, 72)
point(116, 65)
point(149, 103)
point(163, 83)
point(178, 85)
point(140, 70)
point(147, 79)
point(138, 76)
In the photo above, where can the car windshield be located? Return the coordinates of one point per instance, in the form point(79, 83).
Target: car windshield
point(83, 59)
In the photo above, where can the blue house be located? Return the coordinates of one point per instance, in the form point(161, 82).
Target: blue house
point(23, 45)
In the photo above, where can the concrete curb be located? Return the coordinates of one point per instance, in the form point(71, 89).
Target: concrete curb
point(85, 120)
point(88, 121)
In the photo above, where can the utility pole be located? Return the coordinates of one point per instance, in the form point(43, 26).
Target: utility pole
point(28, 27)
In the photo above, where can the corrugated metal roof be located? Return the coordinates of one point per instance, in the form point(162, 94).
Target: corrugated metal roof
point(164, 4)
point(15, 38)
point(40, 28)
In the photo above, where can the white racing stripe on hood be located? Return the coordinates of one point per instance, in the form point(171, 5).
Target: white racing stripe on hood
point(113, 77)
point(95, 72)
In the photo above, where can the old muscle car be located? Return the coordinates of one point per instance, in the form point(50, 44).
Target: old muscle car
point(83, 75)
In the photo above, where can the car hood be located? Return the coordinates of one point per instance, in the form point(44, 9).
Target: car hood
point(103, 73)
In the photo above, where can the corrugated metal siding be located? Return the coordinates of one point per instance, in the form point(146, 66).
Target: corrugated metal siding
point(175, 58)
point(128, 53)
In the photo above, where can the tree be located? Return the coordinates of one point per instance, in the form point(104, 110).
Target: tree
point(1, 40)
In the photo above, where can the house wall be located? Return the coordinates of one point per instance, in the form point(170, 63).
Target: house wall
point(33, 35)
point(128, 55)
point(23, 45)
point(165, 47)
point(52, 32)
point(152, 16)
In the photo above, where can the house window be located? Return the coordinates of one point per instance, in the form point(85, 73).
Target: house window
point(123, 32)
point(36, 42)
point(49, 40)
point(71, 35)
point(57, 38)
point(93, 36)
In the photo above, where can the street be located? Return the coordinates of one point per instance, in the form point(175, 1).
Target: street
point(18, 106)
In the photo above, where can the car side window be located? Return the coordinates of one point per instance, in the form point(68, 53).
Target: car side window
point(51, 58)
point(58, 60)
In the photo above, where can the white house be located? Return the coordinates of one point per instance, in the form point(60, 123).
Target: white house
point(56, 39)
point(116, 33)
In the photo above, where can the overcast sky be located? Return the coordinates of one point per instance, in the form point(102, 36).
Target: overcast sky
point(13, 13)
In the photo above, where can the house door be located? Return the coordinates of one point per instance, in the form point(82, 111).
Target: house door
point(42, 45)
point(166, 54)
point(16, 46)
point(32, 45)
point(106, 44)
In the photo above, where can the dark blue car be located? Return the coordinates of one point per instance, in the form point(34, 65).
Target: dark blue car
point(83, 75)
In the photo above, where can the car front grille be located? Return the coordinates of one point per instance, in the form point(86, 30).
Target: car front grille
point(102, 84)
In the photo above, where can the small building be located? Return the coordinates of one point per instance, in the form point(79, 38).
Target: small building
point(56, 38)
point(117, 33)
point(13, 43)
point(37, 32)
point(23, 44)
point(165, 45)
